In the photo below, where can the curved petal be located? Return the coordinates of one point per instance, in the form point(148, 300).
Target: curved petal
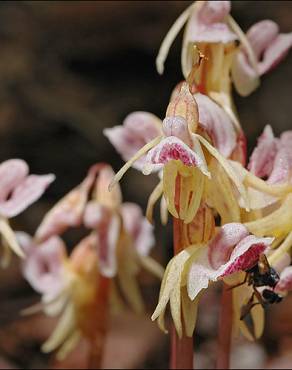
point(109, 199)
point(275, 53)
point(243, 256)
point(93, 214)
point(26, 193)
point(244, 76)
point(43, 264)
point(108, 236)
point(172, 148)
point(261, 34)
point(262, 159)
point(68, 212)
point(138, 227)
point(221, 246)
point(138, 129)
point(217, 124)
point(12, 173)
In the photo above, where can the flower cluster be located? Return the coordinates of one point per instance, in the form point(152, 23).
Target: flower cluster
point(230, 216)
point(105, 261)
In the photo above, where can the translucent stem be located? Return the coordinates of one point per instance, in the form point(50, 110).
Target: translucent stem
point(225, 329)
point(99, 324)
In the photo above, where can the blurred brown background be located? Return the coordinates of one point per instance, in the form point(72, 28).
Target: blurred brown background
point(70, 69)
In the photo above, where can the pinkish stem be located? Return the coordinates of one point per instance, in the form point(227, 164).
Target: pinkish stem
point(225, 329)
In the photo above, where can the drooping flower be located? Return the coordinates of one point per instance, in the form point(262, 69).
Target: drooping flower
point(115, 251)
point(232, 251)
point(180, 157)
point(18, 190)
point(229, 54)
point(270, 197)
point(269, 47)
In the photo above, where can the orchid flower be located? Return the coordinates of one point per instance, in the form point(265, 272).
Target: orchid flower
point(18, 190)
point(230, 252)
point(178, 153)
point(116, 249)
point(269, 47)
point(68, 285)
point(211, 29)
point(270, 199)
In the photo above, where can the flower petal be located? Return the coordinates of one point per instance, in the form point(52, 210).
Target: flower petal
point(138, 129)
point(9, 237)
point(172, 148)
point(277, 223)
point(43, 265)
point(217, 124)
point(262, 159)
point(245, 254)
point(275, 52)
point(221, 246)
point(138, 227)
point(173, 272)
point(62, 331)
point(68, 212)
point(12, 173)
point(25, 194)
point(110, 199)
point(206, 25)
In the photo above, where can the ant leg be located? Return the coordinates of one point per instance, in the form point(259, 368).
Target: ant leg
point(248, 309)
point(259, 297)
point(237, 285)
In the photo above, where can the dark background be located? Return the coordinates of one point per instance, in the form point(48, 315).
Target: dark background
point(70, 69)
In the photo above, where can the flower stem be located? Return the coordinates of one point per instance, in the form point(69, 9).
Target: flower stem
point(99, 323)
point(181, 350)
point(225, 329)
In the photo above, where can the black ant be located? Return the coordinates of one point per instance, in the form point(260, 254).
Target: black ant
point(261, 274)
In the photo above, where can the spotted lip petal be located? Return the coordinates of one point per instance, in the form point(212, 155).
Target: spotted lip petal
point(244, 255)
point(138, 129)
point(269, 47)
point(217, 124)
point(172, 148)
point(138, 227)
point(43, 264)
point(221, 246)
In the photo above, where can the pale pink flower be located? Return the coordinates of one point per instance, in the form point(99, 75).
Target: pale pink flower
point(272, 158)
point(269, 47)
point(111, 219)
point(43, 265)
point(18, 190)
point(232, 250)
point(68, 212)
point(138, 129)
